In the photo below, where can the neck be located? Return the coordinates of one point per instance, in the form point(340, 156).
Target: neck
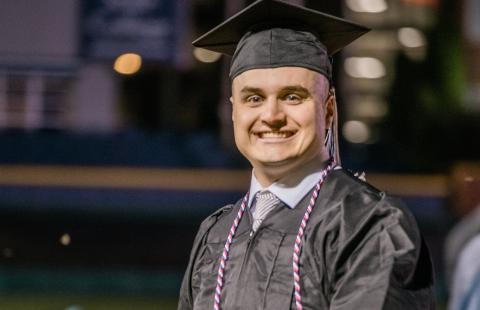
point(291, 174)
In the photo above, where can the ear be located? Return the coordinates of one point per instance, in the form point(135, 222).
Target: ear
point(330, 104)
point(231, 102)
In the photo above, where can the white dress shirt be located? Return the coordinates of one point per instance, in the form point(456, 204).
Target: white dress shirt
point(292, 188)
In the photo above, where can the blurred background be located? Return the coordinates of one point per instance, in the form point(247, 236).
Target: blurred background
point(116, 140)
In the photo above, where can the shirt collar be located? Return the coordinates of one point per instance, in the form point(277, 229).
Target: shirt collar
point(290, 189)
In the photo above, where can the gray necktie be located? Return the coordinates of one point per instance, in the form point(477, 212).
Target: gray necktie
point(265, 202)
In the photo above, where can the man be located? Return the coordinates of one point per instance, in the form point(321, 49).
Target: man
point(307, 235)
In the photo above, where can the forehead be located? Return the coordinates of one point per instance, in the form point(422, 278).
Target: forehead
point(272, 78)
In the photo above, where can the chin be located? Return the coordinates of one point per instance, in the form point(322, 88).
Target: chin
point(279, 162)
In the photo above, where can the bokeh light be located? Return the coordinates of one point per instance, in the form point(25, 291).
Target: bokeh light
point(411, 37)
point(65, 239)
point(364, 67)
point(367, 6)
point(128, 63)
point(356, 131)
point(368, 107)
point(204, 55)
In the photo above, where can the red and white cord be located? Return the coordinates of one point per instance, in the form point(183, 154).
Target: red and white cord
point(226, 251)
point(298, 240)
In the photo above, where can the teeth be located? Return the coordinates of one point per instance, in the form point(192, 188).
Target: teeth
point(271, 134)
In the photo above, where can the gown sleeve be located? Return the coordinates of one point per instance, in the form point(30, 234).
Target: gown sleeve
point(185, 300)
point(383, 263)
point(186, 296)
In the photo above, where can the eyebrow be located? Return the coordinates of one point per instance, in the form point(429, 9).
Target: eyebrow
point(251, 90)
point(295, 89)
point(287, 89)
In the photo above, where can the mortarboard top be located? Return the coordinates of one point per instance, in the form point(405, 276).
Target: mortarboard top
point(335, 33)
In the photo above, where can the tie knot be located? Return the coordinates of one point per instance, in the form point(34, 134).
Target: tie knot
point(265, 202)
point(265, 196)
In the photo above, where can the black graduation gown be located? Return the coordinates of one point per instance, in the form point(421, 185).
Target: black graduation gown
point(361, 250)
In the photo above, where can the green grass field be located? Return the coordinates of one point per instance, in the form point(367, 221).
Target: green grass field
point(62, 302)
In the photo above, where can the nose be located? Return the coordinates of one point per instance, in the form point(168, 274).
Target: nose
point(273, 114)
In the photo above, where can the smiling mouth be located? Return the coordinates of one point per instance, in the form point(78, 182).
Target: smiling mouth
point(275, 134)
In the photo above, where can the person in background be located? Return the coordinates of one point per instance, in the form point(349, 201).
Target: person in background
point(462, 244)
point(466, 279)
point(307, 234)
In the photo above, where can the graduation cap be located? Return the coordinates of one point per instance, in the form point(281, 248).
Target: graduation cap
point(273, 33)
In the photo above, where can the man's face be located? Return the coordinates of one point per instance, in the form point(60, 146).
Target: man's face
point(279, 116)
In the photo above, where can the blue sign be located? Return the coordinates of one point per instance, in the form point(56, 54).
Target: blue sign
point(150, 28)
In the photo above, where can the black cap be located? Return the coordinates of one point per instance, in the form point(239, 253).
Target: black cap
point(273, 33)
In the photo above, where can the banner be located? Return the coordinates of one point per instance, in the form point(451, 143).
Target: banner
point(150, 28)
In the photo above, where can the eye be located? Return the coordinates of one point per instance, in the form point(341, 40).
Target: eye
point(254, 99)
point(293, 98)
